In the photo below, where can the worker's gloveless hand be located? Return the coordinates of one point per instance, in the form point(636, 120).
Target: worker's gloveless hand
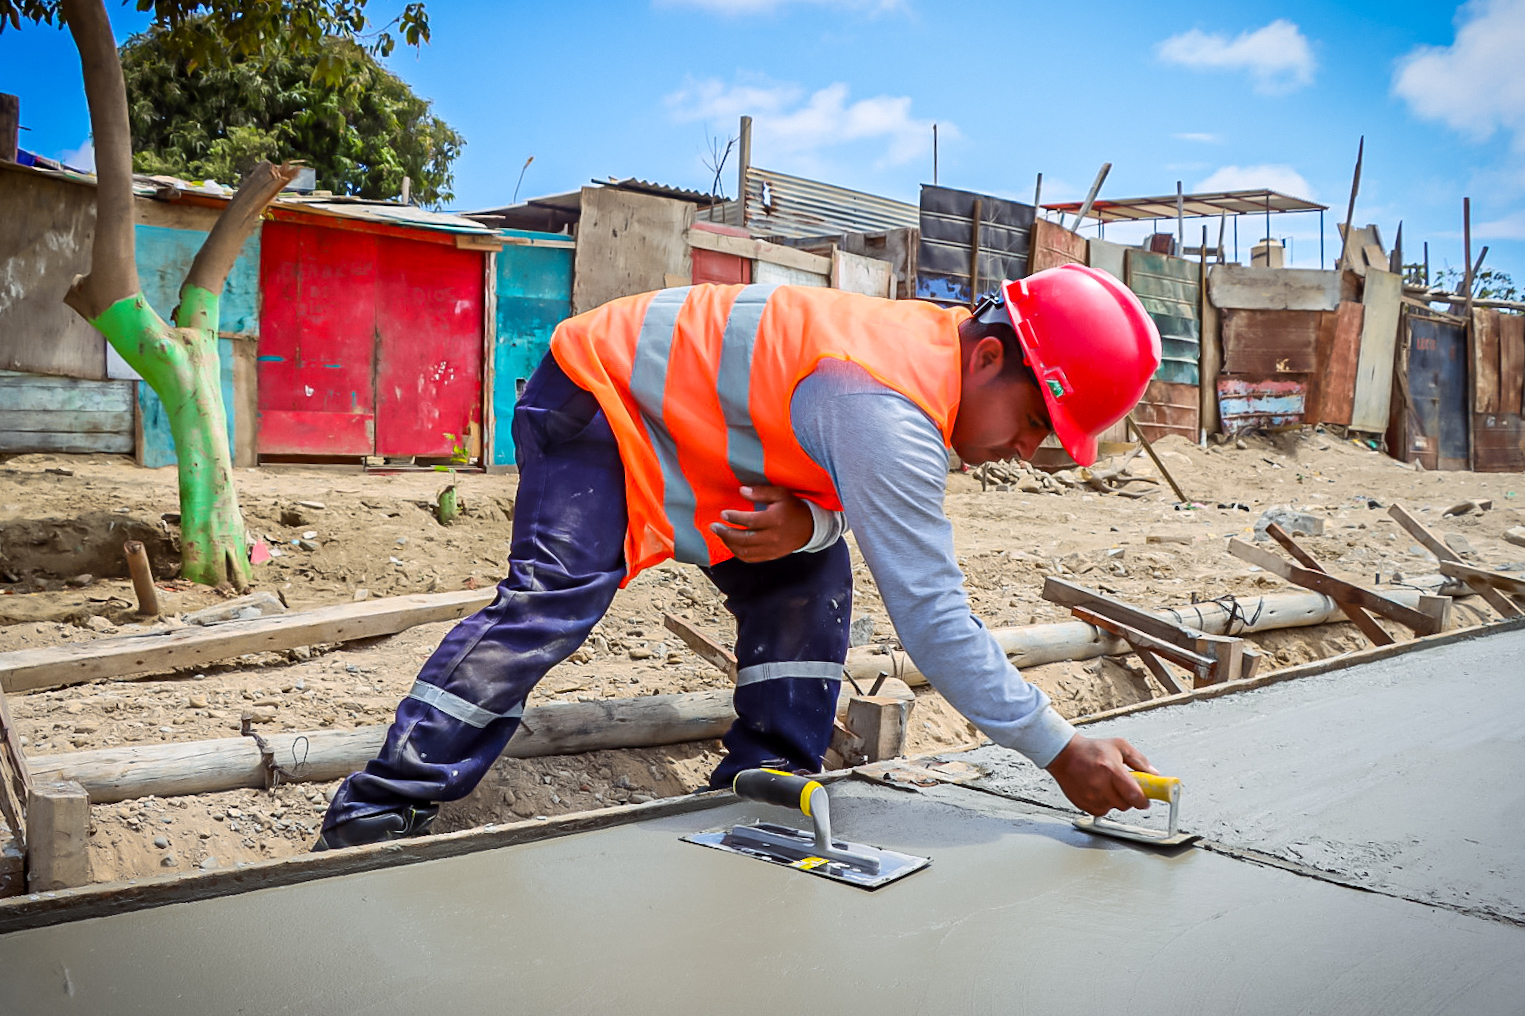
point(783, 526)
point(1094, 774)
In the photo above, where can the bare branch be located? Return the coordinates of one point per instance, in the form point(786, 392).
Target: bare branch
point(113, 270)
point(215, 259)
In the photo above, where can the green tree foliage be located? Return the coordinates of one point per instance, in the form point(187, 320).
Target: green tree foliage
point(1489, 284)
point(362, 134)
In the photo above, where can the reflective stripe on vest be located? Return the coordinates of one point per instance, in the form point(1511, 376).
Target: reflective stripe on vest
point(743, 448)
point(648, 384)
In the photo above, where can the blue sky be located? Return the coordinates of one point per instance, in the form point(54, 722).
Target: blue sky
point(1250, 94)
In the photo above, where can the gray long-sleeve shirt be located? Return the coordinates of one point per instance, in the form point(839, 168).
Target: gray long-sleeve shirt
point(888, 463)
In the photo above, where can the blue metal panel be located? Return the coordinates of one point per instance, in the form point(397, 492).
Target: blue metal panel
point(1437, 376)
point(164, 257)
point(534, 294)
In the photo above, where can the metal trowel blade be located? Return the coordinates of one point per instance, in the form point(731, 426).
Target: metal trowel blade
point(1135, 833)
point(798, 853)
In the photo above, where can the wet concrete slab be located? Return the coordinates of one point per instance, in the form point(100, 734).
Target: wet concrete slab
point(1402, 775)
point(1018, 913)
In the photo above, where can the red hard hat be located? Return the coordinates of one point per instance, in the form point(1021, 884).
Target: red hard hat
point(1091, 345)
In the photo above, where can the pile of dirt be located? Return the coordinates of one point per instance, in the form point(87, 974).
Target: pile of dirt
point(345, 535)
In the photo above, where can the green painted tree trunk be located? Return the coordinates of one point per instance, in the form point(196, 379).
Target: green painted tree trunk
point(181, 365)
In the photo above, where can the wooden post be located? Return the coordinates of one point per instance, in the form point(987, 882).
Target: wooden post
point(1149, 448)
point(974, 253)
point(1466, 233)
point(1350, 211)
point(875, 729)
point(58, 837)
point(743, 163)
point(142, 578)
point(10, 126)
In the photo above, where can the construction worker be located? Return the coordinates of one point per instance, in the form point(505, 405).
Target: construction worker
point(742, 429)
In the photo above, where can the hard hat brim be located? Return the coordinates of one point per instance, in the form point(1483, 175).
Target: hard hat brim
point(1082, 446)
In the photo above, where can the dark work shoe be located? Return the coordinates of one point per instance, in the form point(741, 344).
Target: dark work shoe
point(414, 820)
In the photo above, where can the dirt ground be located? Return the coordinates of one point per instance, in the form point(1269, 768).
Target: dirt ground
point(345, 535)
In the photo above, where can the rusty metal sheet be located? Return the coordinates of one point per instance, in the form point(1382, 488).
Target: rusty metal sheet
point(1264, 342)
point(1511, 363)
point(942, 259)
point(1500, 441)
point(1169, 289)
point(1244, 404)
point(1332, 385)
point(1485, 368)
point(1168, 408)
point(1053, 245)
point(1435, 432)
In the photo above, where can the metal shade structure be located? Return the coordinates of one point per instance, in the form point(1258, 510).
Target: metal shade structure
point(1240, 202)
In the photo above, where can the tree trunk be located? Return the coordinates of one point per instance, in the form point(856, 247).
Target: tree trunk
point(179, 363)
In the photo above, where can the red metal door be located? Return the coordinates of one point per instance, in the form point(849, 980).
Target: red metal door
point(429, 361)
point(317, 341)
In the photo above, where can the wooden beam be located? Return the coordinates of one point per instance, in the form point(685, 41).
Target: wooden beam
point(1200, 666)
point(875, 729)
point(15, 779)
point(758, 250)
point(1482, 577)
point(58, 837)
point(1161, 673)
point(1149, 448)
point(1364, 621)
point(134, 655)
point(1501, 604)
point(1335, 588)
point(1070, 594)
point(704, 647)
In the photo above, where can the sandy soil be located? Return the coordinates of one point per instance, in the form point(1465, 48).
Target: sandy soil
point(375, 535)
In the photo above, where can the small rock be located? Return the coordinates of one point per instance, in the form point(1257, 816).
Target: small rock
point(1515, 535)
point(523, 807)
point(1461, 545)
point(311, 534)
point(1291, 520)
point(169, 861)
point(314, 505)
point(262, 714)
point(267, 700)
point(197, 701)
point(640, 654)
point(1467, 508)
point(308, 545)
point(80, 581)
point(100, 624)
point(361, 594)
point(208, 864)
point(641, 799)
point(1167, 538)
point(293, 518)
point(162, 842)
point(86, 727)
point(861, 632)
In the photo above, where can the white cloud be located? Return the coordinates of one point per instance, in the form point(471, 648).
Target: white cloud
point(1206, 139)
point(1277, 56)
point(785, 121)
point(82, 158)
point(1476, 85)
point(738, 8)
point(1283, 179)
point(1510, 227)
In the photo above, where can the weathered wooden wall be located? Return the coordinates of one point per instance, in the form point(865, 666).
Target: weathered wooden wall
point(40, 413)
point(1382, 297)
point(628, 243)
point(1053, 245)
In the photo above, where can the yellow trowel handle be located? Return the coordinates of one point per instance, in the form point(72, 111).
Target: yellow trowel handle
point(1158, 788)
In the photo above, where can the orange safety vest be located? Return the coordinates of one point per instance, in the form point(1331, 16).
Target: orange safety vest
point(696, 384)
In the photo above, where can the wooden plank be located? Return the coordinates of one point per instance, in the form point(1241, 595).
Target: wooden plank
point(1052, 245)
point(1261, 343)
point(133, 655)
point(758, 250)
point(1142, 642)
point(1071, 594)
point(1336, 589)
point(1481, 576)
point(70, 444)
point(1498, 443)
point(1168, 408)
point(58, 837)
point(1364, 621)
point(854, 273)
point(628, 243)
point(1374, 364)
point(1485, 367)
point(1511, 362)
point(73, 421)
point(769, 273)
point(1243, 287)
point(1495, 599)
point(37, 393)
point(1161, 672)
point(15, 777)
point(704, 647)
point(1335, 369)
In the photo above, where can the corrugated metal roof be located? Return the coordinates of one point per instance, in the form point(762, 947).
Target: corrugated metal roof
point(400, 215)
point(790, 206)
point(1241, 202)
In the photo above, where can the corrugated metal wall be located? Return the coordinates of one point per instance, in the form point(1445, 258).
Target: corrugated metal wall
point(780, 205)
point(947, 234)
point(1169, 290)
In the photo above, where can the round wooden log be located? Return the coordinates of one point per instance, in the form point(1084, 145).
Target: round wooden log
point(203, 767)
point(1037, 644)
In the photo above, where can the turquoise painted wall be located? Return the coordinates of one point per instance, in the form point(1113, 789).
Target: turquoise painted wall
point(534, 296)
point(164, 256)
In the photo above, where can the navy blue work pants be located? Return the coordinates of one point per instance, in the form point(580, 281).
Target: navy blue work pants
point(566, 561)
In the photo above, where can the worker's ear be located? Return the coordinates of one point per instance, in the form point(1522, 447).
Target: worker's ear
point(987, 359)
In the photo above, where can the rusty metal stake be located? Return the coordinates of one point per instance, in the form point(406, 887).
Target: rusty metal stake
point(142, 578)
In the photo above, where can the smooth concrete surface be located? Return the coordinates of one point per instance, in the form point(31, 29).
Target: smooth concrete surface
point(1404, 775)
point(1019, 913)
